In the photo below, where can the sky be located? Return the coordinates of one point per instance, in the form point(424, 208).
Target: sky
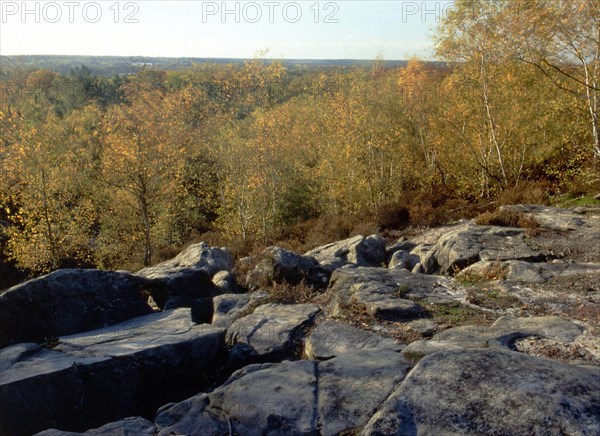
point(395, 30)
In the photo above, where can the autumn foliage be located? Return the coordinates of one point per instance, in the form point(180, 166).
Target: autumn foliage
point(110, 172)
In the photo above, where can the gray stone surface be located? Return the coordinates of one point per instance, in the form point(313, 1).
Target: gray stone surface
point(507, 329)
point(369, 251)
point(132, 426)
point(475, 392)
point(269, 332)
point(555, 218)
point(189, 274)
point(225, 281)
point(384, 292)
point(532, 272)
point(229, 307)
point(69, 301)
point(403, 259)
point(332, 338)
point(284, 266)
point(465, 246)
point(301, 397)
point(102, 375)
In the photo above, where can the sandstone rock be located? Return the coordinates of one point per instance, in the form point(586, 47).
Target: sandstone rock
point(331, 339)
point(283, 266)
point(369, 251)
point(424, 327)
point(98, 376)
point(69, 301)
point(136, 425)
point(465, 246)
point(189, 273)
point(225, 281)
point(474, 392)
point(228, 307)
point(401, 245)
point(269, 332)
point(554, 218)
point(301, 397)
point(529, 272)
point(368, 285)
point(403, 259)
point(508, 329)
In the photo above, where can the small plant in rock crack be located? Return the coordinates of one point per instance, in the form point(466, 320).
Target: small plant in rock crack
point(50, 342)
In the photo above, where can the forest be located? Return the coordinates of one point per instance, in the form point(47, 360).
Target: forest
point(121, 172)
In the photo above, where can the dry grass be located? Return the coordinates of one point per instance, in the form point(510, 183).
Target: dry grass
point(509, 218)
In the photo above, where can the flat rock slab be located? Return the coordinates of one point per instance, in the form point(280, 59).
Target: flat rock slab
point(229, 307)
point(332, 338)
point(70, 301)
point(386, 293)
point(465, 246)
point(301, 397)
point(475, 392)
point(269, 332)
point(132, 426)
point(508, 329)
point(102, 375)
point(555, 218)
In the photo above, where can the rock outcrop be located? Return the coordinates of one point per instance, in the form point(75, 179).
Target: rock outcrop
point(102, 375)
point(189, 274)
point(70, 301)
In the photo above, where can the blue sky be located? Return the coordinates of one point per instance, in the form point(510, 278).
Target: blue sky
point(395, 29)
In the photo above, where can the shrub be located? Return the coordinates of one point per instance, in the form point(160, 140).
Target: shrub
point(393, 216)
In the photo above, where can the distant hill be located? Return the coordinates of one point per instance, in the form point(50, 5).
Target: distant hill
point(121, 65)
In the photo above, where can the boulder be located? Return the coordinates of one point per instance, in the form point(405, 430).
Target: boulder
point(301, 397)
point(131, 426)
point(269, 332)
point(189, 274)
point(530, 272)
point(507, 329)
point(465, 246)
point(70, 301)
point(403, 259)
point(369, 251)
point(284, 266)
point(332, 338)
point(555, 218)
point(491, 391)
point(225, 281)
point(229, 307)
point(385, 291)
point(401, 245)
point(104, 375)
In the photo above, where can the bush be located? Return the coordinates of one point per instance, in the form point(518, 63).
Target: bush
point(393, 216)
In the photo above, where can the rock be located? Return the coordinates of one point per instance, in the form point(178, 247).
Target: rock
point(136, 425)
point(401, 245)
point(474, 392)
point(465, 246)
point(384, 302)
point(418, 349)
point(369, 251)
point(189, 273)
point(301, 397)
point(380, 287)
point(102, 375)
point(528, 272)
point(424, 327)
point(283, 266)
point(403, 259)
point(202, 308)
point(553, 218)
point(225, 281)
point(331, 339)
point(507, 329)
point(229, 307)
point(269, 332)
point(69, 301)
